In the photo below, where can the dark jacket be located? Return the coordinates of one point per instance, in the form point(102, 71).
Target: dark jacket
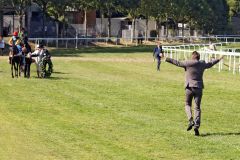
point(194, 71)
point(157, 51)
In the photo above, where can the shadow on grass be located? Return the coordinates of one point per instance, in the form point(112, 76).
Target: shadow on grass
point(57, 78)
point(220, 134)
point(59, 73)
point(97, 50)
point(51, 78)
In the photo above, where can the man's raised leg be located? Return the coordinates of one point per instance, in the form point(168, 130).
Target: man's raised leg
point(188, 107)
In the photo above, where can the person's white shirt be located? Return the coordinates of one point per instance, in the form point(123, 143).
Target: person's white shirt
point(38, 54)
point(212, 47)
point(2, 43)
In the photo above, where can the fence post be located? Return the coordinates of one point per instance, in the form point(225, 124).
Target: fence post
point(239, 64)
point(189, 53)
point(230, 61)
point(219, 67)
point(76, 41)
point(234, 64)
point(67, 43)
point(222, 62)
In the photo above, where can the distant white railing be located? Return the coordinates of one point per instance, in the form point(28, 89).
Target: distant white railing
point(185, 51)
point(81, 41)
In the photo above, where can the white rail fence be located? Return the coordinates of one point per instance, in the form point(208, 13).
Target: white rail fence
point(232, 60)
point(232, 57)
point(79, 42)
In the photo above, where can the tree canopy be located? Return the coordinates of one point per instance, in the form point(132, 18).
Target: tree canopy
point(212, 16)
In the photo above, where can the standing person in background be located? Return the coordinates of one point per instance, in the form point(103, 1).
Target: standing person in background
point(140, 37)
point(212, 46)
point(22, 33)
point(194, 69)
point(158, 54)
point(2, 44)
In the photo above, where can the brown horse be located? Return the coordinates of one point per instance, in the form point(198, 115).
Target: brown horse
point(15, 61)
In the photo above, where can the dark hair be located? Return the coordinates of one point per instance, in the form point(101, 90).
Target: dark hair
point(196, 55)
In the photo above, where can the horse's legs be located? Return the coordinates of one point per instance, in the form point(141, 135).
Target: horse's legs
point(10, 62)
point(10, 57)
point(25, 70)
point(19, 69)
point(12, 70)
point(29, 70)
point(16, 69)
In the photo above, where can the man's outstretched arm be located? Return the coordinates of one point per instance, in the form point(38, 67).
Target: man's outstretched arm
point(212, 63)
point(176, 62)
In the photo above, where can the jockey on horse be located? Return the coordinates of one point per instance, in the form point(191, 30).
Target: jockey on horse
point(15, 58)
point(12, 44)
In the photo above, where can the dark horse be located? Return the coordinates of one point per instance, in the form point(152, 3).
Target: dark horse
point(15, 61)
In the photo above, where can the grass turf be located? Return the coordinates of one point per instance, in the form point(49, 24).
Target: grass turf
point(115, 106)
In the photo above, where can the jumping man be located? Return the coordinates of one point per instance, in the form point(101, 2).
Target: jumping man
point(194, 86)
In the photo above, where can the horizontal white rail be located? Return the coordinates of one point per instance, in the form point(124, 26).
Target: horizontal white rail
point(207, 55)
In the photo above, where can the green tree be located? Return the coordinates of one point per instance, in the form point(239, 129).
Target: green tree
point(159, 13)
point(85, 5)
point(146, 10)
point(1, 16)
point(20, 7)
point(107, 7)
point(234, 7)
point(132, 7)
point(217, 19)
point(58, 10)
point(44, 5)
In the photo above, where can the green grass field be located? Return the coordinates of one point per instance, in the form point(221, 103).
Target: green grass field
point(105, 104)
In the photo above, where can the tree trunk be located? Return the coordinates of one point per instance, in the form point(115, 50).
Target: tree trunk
point(101, 27)
point(43, 24)
point(146, 30)
point(64, 30)
point(21, 13)
point(29, 16)
point(109, 23)
point(176, 28)
point(167, 30)
point(133, 29)
point(85, 22)
point(1, 21)
point(13, 29)
point(182, 30)
point(190, 31)
point(20, 21)
point(57, 29)
point(158, 27)
point(64, 26)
